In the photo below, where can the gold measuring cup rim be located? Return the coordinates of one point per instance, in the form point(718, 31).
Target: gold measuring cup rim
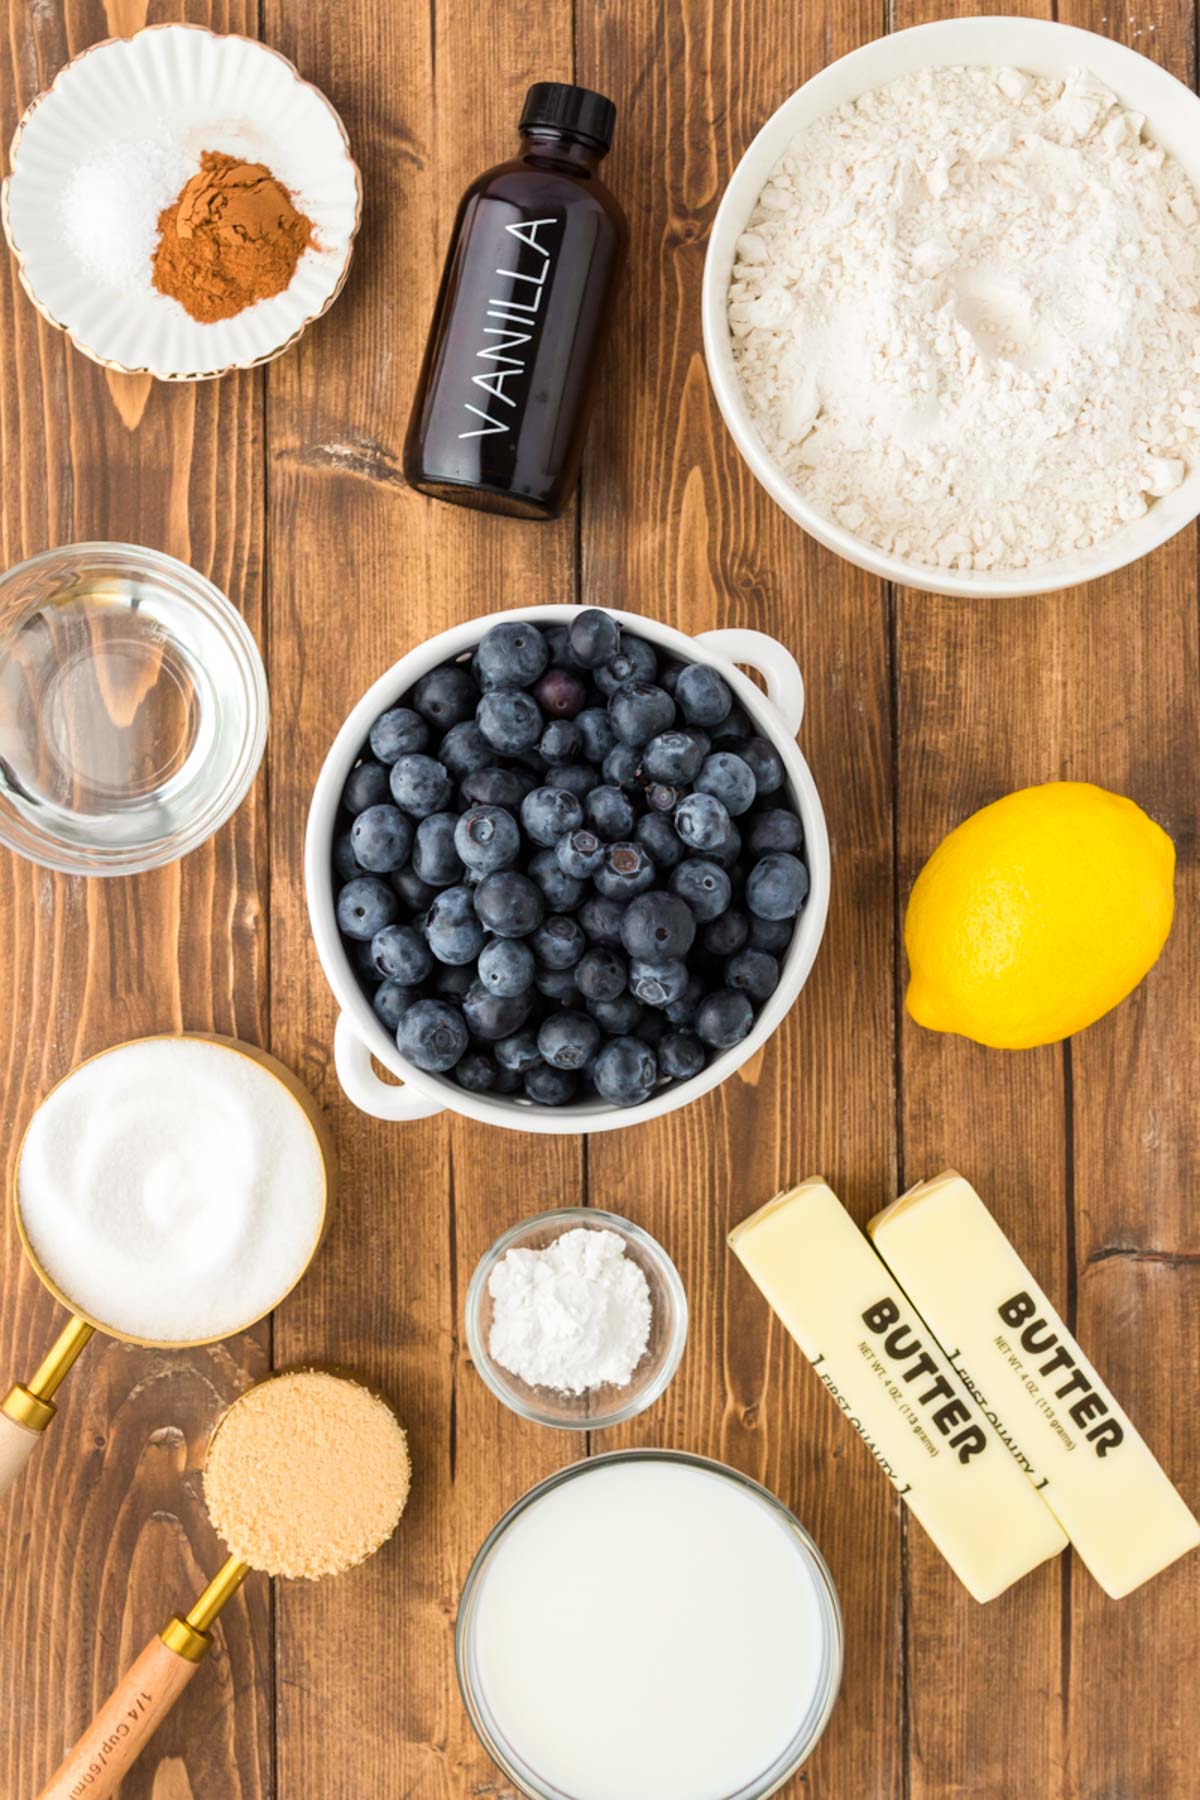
point(316, 1123)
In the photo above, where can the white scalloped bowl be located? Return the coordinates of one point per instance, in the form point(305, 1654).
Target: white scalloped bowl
point(181, 88)
point(359, 1035)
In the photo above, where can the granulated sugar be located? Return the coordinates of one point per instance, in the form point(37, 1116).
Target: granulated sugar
point(966, 317)
point(172, 1189)
point(111, 205)
point(573, 1316)
point(306, 1475)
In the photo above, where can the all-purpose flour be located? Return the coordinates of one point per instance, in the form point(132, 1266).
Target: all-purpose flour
point(573, 1316)
point(966, 317)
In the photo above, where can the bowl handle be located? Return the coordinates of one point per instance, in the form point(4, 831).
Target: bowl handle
point(379, 1099)
point(777, 666)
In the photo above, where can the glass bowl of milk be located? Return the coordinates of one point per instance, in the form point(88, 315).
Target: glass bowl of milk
point(649, 1623)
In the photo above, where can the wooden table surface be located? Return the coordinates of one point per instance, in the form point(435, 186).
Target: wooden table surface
point(284, 487)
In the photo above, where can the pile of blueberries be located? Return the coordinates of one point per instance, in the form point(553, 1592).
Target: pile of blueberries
point(568, 867)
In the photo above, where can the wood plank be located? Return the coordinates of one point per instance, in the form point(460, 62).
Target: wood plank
point(360, 572)
point(673, 525)
point(106, 1533)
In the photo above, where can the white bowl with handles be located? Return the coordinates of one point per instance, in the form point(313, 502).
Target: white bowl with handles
point(360, 1036)
point(1039, 47)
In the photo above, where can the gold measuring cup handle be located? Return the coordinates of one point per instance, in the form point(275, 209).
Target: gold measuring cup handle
point(27, 1408)
point(142, 1698)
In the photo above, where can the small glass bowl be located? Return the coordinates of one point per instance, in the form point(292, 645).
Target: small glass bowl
point(133, 709)
point(602, 1406)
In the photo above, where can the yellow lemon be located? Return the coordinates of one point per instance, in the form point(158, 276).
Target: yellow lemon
point(1037, 915)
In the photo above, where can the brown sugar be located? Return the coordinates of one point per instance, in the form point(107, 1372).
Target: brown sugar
point(307, 1474)
point(232, 238)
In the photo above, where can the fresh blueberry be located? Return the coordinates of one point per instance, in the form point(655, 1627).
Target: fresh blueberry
point(509, 903)
point(446, 696)
point(550, 1087)
point(517, 1053)
point(625, 871)
point(574, 778)
point(702, 696)
point(753, 972)
point(619, 1017)
point(728, 778)
point(557, 985)
point(734, 728)
point(506, 966)
point(635, 661)
point(512, 655)
point(476, 1072)
point(601, 973)
point(452, 930)
point(392, 1000)
point(704, 885)
point(416, 894)
point(487, 838)
point(669, 673)
point(680, 1055)
point(508, 1082)
point(724, 1019)
point(560, 694)
point(451, 981)
point(464, 750)
point(683, 1011)
point(640, 711)
point(561, 892)
point(579, 853)
point(495, 787)
point(774, 829)
point(510, 720)
point(345, 863)
point(494, 1016)
point(658, 983)
point(567, 1040)
point(434, 857)
point(401, 953)
point(728, 851)
point(562, 742)
point(766, 765)
point(364, 906)
point(596, 733)
point(622, 767)
point(777, 887)
point(727, 933)
point(626, 1071)
point(420, 785)
point(661, 798)
point(558, 942)
point(432, 1034)
point(382, 838)
point(547, 813)
point(366, 785)
point(772, 935)
point(674, 756)
point(610, 813)
point(558, 645)
point(398, 732)
point(360, 956)
point(594, 637)
point(658, 927)
point(702, 822)
point(601, 921)
point(657, 835)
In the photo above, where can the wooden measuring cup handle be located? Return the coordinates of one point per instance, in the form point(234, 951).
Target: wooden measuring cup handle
point(17, 1445)
point(117, 1735)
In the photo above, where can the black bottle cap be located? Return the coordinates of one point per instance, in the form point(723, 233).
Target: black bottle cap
point(575, 111)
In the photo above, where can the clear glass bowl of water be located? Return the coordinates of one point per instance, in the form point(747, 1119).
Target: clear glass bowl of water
point(133, 709)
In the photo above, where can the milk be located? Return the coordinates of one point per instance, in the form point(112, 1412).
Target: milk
point(651, 1629)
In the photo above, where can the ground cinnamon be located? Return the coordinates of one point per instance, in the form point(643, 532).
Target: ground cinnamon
point(232, 238)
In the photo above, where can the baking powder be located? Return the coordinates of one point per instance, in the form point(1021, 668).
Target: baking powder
point(573, 1316)
point(966, 317)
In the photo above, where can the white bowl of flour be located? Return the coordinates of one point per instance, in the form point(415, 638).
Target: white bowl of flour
point(952, 306)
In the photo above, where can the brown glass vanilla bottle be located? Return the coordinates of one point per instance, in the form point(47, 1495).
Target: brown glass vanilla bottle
point(523, 310)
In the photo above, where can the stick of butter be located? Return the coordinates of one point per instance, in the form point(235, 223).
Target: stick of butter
point(881, 1365)
point(1033, 1382)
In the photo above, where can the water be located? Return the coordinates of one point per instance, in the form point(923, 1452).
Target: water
point(122, 712)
